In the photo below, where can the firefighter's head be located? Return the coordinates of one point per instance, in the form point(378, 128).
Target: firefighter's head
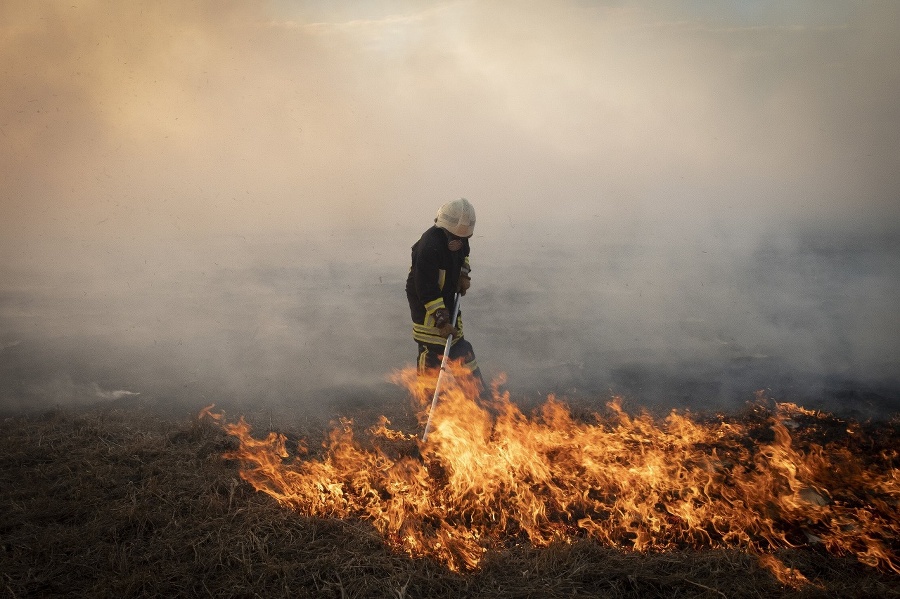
point(457, 218)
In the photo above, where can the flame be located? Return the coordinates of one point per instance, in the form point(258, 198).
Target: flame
point(787, 576)
point(491, 476)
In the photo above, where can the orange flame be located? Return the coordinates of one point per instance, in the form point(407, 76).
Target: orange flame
point(491, 476)
point(789, 577)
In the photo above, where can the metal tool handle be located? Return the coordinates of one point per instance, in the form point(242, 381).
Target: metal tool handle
point(437, 385)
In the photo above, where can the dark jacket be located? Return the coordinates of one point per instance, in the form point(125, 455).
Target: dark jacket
point(433, 282)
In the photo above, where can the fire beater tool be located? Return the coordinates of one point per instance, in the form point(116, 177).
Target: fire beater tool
point(437, 385)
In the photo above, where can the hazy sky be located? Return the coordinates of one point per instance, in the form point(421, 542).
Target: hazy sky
point(126, 120)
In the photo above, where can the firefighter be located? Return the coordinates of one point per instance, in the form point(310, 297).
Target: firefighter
point(440, 268)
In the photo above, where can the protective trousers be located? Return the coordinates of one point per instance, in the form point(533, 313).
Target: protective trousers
point(430, 356)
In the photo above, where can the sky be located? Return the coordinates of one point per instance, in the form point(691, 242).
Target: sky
point(154, 118)
point(143, 140)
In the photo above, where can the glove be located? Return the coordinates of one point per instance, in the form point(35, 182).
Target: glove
point(464, 284)
point(441, 317)
point(442, 322)
point(447, 330)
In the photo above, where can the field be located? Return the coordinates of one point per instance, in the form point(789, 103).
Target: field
point(127, 503)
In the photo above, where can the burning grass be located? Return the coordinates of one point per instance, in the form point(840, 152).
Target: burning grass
point(117, 504)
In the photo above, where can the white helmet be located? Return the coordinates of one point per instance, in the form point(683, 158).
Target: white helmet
point(458, 217)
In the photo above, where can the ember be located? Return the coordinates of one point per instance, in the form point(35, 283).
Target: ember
point(491, 476)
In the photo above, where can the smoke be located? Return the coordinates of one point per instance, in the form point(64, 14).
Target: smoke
point(799, 313)
point(215, 201)
point(292, 326)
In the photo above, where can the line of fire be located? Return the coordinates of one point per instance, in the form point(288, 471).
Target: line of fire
point(491, 476)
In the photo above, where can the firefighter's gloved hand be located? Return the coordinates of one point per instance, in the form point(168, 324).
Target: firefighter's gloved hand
point(464, 284)
point(441, 317)
point(447, 330)
point(442, 322)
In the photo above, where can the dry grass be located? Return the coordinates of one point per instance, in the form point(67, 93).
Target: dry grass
point(116, 504)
